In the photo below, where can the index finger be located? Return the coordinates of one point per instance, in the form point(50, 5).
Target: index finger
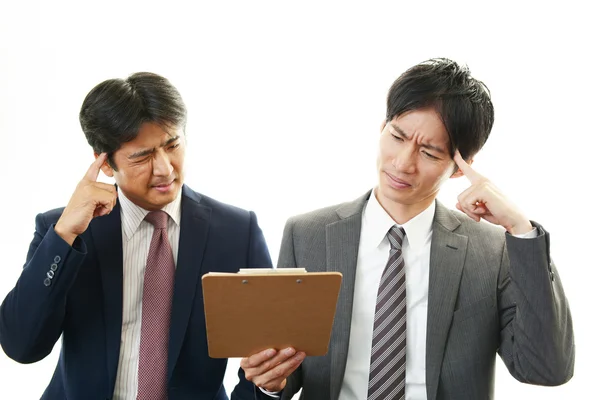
point(466, 169)
point(94, 170)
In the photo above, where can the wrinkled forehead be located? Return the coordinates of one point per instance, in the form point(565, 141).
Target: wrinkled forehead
point(423, 125)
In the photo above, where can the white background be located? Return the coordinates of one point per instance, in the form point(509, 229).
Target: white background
point(285, 102)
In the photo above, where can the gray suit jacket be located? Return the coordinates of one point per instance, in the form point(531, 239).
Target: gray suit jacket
point(488, 292)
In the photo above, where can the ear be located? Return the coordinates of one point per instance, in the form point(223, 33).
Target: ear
point(107, 169)
point(458, 173)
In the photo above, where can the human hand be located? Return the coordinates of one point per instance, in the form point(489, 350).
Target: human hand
point(484, 200)
point(269, 369)
point(91, 199)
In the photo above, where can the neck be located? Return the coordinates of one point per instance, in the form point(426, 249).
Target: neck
point(402, 213)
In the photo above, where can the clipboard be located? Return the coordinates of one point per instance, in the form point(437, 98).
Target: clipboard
point(247, 313)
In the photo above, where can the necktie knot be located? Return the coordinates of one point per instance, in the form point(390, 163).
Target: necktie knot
point(396, 235)
point(158, 218)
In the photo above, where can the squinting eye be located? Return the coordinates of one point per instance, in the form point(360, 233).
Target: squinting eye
point(174, 146)
point(397, 137)
point(430, 156)
point(143, 159)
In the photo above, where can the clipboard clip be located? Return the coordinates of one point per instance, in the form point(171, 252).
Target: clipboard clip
point(245, 281)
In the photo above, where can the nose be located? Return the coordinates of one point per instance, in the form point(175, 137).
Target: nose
point(162, 164)
point(405, 159)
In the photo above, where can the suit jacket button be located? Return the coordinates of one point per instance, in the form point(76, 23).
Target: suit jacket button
point(53, 267)
point(50, 274)
point(56, 259)
point(47, 282)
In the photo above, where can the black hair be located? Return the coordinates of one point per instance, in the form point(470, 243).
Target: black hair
point(113, 111)
point(462, 102)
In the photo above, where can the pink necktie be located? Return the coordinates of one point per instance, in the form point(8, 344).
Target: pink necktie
point(156, 312)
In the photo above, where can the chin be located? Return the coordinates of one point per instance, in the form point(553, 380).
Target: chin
point(165, 199)
point(395, 195)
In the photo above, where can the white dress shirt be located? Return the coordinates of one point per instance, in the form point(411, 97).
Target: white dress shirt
point(137, 234)
point(373, 253)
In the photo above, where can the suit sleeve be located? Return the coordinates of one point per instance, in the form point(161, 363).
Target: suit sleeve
point(32, 314)
point(258, 257)
point(536, 338)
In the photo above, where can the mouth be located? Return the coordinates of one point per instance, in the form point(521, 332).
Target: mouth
point(164, 187)
point(396, 183)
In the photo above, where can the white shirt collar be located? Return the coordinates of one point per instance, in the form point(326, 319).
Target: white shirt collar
point(132, 215)
point(377, 222)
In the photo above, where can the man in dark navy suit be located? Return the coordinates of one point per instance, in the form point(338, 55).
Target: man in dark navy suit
point(118, 271)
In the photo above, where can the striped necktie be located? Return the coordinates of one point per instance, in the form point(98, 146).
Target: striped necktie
point(387, 375)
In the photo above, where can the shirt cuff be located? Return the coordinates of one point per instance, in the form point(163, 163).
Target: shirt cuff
point(529, 235)
point(274, 395)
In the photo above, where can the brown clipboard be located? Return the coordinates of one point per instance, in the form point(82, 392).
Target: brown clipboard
point(248, 313)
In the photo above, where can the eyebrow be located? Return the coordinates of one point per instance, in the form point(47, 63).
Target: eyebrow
point(146, 152)
point(405, 136)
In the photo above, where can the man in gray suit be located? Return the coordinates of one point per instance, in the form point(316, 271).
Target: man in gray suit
point(429, 295)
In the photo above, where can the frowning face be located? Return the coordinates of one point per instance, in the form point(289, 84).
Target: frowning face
point(414, 161)
point(150, 167)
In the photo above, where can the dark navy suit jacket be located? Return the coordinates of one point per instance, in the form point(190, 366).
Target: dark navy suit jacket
point(78, 292)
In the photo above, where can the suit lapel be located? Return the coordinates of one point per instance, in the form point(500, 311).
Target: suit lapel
point(107, 238)
point(195, 219)
point(448, 251)
point(342, 240)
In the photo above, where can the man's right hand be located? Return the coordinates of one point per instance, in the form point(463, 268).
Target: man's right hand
point(269, 369)
point(90, 199)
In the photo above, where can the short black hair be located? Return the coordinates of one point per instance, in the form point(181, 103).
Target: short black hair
point(462, 102)
point(113, 111)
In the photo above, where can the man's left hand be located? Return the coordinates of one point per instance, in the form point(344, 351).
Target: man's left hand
point(483, 200)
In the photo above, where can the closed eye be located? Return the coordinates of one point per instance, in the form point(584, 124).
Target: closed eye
point(401, 139)
point(143, 159)
point(431, 156)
